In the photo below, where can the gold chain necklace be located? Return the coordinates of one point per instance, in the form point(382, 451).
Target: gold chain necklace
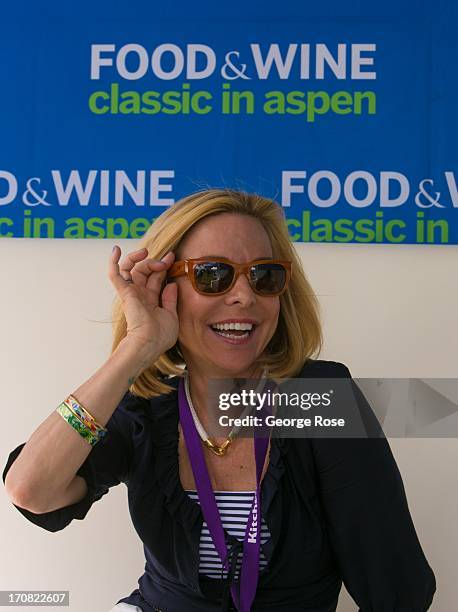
point(217, 450)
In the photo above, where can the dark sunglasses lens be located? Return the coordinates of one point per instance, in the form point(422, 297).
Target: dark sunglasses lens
point(213, 276)
point(268, 278)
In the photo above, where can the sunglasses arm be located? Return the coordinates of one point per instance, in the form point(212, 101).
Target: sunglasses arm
point(178, 269)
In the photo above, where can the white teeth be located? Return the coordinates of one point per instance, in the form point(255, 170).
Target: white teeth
point(232, 335)
point(227, 326)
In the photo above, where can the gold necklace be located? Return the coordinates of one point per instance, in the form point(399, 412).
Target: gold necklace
point(217, 450)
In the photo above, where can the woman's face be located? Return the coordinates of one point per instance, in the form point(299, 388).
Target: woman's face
point(240, 239)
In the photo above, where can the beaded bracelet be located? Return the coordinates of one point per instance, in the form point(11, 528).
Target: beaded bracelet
point(80, 419)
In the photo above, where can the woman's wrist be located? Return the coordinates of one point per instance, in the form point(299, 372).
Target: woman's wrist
point(141, 352)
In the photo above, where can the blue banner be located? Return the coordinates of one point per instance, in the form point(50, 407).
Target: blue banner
point(345, 115)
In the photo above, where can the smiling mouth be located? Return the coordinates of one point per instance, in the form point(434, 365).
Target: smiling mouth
point(238, 331)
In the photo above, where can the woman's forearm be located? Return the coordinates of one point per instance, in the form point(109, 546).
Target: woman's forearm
point(55, 451)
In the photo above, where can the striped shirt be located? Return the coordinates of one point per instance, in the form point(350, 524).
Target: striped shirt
point(234, 508)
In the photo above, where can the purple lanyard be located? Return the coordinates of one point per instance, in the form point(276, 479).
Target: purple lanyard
point(251, 543)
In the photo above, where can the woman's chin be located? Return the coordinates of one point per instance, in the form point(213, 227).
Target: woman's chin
point(233, 369)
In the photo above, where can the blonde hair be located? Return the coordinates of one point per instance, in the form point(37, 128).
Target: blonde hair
point(298, 335)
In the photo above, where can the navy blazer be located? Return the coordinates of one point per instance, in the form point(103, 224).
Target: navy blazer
point(336, 510)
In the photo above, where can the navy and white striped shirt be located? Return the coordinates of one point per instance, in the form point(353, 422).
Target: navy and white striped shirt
point(234, 508)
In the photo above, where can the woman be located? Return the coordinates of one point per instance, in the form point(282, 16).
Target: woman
point(330, 509)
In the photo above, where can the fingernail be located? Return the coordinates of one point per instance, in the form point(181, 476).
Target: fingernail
point(112, 250)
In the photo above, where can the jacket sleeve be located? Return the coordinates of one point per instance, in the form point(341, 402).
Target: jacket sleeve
point(106, 466)
point(368, 520)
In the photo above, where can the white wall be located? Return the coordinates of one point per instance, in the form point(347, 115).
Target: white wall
point(389, 311)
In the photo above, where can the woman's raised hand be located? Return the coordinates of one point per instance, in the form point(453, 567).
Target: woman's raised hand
point(151, 314)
